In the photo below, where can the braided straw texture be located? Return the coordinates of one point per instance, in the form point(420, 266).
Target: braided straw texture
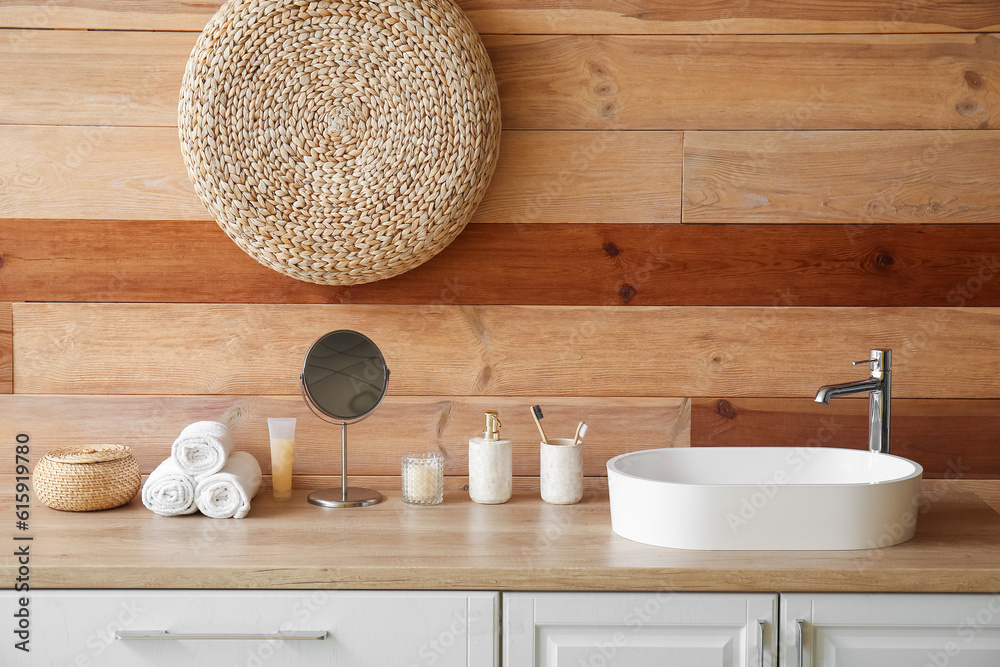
point(80, 479)
point(340, 142)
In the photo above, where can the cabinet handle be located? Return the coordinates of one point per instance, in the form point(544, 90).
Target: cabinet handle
point(166, 634)
point(760, 642)
point(799, 623)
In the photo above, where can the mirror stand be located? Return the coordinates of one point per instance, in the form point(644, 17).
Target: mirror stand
point(343, 379)
point(345, 496)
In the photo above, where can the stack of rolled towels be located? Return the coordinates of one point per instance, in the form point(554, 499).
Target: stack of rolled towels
point(203, 474)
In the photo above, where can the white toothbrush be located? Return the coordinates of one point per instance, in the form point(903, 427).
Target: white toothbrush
point(581, 430)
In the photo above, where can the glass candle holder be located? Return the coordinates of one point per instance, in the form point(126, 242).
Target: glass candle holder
point(423, 478)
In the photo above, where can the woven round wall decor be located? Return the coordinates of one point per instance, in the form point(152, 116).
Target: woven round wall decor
point(340, 142)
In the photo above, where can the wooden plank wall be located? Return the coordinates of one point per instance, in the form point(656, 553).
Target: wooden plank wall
point(703, 211)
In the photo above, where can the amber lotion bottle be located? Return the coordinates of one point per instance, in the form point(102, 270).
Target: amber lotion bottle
point(282, 432)
point(490, 465)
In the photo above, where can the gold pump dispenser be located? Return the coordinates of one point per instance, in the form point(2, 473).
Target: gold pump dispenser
point(493, 425)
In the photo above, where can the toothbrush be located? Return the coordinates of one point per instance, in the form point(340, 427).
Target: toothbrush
point(581, 430)
point(536, 412)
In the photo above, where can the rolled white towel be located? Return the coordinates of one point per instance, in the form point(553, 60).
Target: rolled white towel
point(202, 448)
point(227, 493)
point(169, 490)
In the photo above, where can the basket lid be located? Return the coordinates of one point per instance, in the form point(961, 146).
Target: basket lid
point(89, 453)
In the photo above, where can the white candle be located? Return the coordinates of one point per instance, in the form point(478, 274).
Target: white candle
point(423, 478)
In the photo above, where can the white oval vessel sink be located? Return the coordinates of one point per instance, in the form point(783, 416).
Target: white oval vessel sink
point(771, 498)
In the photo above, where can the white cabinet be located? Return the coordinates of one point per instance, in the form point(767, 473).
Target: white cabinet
point(360, 628)
point(884, 630)
point(638, 629)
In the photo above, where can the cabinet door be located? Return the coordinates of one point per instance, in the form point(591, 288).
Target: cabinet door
point(361, 628)
point(638, 629)
point(880, 630)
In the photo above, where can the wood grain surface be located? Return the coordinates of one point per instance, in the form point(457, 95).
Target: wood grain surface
point(136, 173)
point(6, 346)
point(703, 17)
point(772, 83)
point(571, 264)
point(128, 173)
point(92, 77)
point(952, 439)
point(150, 424)
point(595, 82)
point(525, 544)
point(504, 350)
point(610, 177)
point(842, 177)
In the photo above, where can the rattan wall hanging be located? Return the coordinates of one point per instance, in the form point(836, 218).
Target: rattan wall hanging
point(340, 142)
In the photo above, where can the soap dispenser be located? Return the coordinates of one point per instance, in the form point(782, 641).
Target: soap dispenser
point(490, 465)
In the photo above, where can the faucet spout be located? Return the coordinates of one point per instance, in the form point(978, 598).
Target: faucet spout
point(879, 389)
point(826, 392)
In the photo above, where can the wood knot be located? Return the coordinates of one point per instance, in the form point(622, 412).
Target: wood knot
point(968, 107)
point(726, 409)
point(611, 250)
point(609, 109)
point(884, 259)
point(2, 260)
point(605, 89)
point(600, 69)
point(973, 79)
point(627, 292)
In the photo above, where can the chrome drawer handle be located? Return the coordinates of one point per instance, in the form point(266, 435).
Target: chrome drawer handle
point(166, 634)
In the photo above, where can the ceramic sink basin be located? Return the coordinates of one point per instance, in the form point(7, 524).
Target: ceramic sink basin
point(782, 498)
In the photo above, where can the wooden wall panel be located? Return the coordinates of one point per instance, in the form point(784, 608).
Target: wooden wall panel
point(703, 17)
point(577, 82)
point(842, 177)
point(129, 173)
point(116, 78)
point(137, 173)
point(954, 439)
point(570, 264)
point(6, 346)
point(150, 424)
point(504, 350)
point(613, 177)
point(773, 83)
point(95, 206)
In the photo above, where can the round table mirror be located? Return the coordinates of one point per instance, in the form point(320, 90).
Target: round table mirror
point(344, 378)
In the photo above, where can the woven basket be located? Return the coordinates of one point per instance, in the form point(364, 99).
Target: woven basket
point(340, 142)
point(79, 479)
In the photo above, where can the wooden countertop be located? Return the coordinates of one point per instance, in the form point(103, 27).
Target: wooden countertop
point(525, 544)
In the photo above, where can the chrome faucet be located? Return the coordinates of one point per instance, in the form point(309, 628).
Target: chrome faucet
point(879, 390)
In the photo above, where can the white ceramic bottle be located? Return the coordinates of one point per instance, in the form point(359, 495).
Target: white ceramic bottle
point(490, 459)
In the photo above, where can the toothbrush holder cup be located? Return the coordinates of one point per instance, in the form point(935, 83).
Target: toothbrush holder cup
point(561, 474)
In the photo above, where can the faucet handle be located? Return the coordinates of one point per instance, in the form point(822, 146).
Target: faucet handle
point(881, 360)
